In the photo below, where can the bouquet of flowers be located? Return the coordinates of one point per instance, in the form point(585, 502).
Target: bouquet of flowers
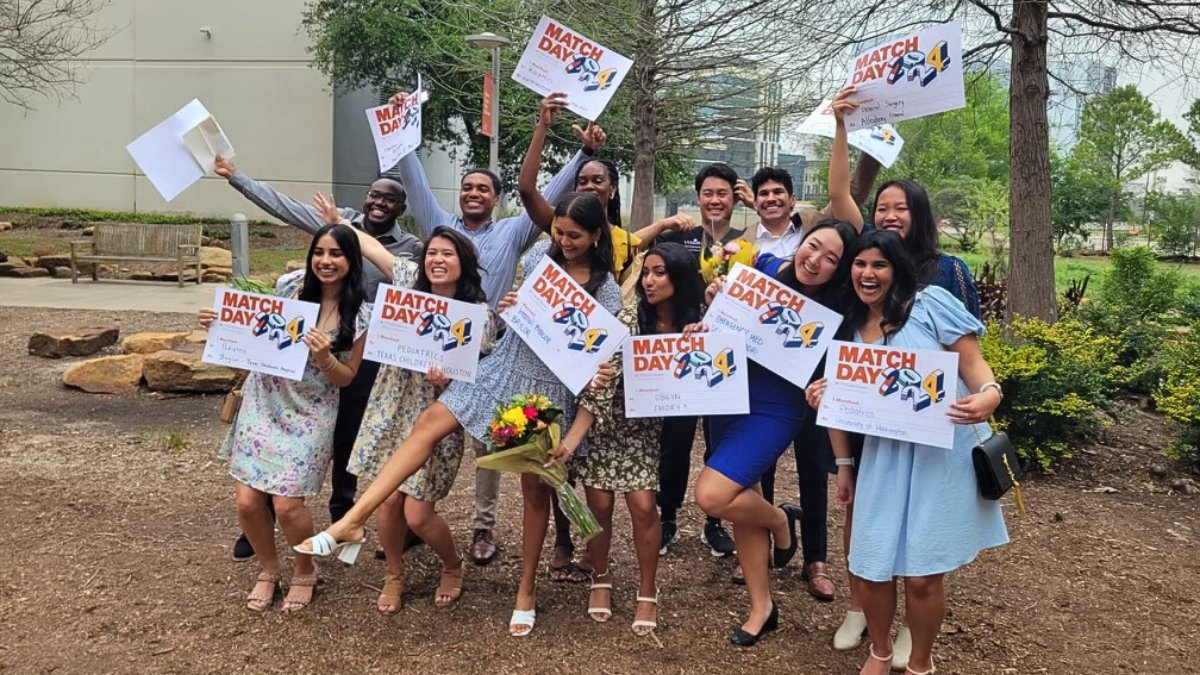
point(722, 257)
point(523, 435)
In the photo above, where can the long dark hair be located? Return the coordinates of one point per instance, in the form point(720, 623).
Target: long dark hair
point(922, 240)
point(354, 292)
point(898, 302)
point(470, 283)
point(847, 234)
point(614, 204)
point(683, 269)
point(584, 208)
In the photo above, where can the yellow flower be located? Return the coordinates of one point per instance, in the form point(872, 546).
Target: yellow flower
point(515, 417)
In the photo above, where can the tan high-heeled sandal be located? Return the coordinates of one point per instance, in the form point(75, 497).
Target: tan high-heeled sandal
point(450, 585)
point(295, 603)
point(261, 602)
point(389, 595)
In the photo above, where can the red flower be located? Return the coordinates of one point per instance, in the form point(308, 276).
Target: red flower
point(530, 412)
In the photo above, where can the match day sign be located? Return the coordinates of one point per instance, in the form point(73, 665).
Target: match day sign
point(396, 128)
point(557, 59)
point(564, 325)
point(415, 330)
point(902, 394)
point(260, 333)
point(675, 375)
point(918, 75)
point(882, 142)
point(784, 331)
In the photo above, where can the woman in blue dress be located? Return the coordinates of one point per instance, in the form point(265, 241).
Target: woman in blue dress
point(746, 446)
point(917, 509)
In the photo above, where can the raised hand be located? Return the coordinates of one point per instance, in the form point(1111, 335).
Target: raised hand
point(743, 193)
point(224, 168)
point(550, 107)
point(326, 209)
point(842, 105)
point(593, 137)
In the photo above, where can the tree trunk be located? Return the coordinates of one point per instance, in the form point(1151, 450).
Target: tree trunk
point(645, 119)
point(1109, 220)
point(1031, 247)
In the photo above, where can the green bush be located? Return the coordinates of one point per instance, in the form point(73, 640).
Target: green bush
point(1178, 395)
point(1055, 378)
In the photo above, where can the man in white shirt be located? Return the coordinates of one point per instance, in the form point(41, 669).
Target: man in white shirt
point(774, 201)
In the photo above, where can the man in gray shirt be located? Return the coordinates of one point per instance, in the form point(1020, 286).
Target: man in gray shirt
point(500, 244)
point(384, 203)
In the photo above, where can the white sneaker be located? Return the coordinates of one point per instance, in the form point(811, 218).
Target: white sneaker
point(901, 648)
point(850, 634)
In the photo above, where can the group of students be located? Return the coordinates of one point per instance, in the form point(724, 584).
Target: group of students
point(912, 511)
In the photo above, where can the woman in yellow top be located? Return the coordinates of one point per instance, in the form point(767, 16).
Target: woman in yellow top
point(597, 176)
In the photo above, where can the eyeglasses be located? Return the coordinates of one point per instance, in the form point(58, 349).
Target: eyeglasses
point(385, 197)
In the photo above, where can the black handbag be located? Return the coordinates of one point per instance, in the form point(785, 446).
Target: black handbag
point(998, 469)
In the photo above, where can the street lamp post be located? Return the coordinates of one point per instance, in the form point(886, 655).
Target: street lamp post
point(494, 43)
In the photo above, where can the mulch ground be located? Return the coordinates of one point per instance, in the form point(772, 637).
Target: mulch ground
point(117, 522)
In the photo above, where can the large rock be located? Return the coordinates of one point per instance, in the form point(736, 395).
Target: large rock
point(56, 260)
point(107, 374)
point(148, 343)
point(173, 370)
point(76, 340)
point(61, 272)
point(5, 226)
point(210, 277)
point(170, 272)
point(293, 265)
point(197, 337)
point(27, 272)
point(211, 256)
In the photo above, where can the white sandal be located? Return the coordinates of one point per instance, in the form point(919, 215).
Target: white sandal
point(642, 623)
point(324, 545)
point(522, 617)
point(849, 635)
point(910, 671)
point(902, 649)
point(600, 614)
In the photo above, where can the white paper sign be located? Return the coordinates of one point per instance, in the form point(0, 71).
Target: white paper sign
point(205, 141)
point(260, 333)
point(784, 331)
point(918, 75)
point(557, 59)
point(881, 142)
point(163, 156)
point(564, 325)
point(903, 394)
point(415, 330)
point(673, 375)
point(396, 129)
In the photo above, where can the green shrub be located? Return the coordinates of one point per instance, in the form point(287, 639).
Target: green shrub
point(1178, 395)
point(1055, 379)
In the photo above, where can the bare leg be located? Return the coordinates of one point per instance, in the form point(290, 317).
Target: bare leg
point(753, 549)
point(879, 604)
point(722, 498)
point(600, 502)
point(259, 527)
point(926, 605)
point(435, 531)
point(647, 535)
point(535, 521)
point(297, 525)
point(392, 531)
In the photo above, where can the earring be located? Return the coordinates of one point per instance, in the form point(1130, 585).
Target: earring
point(596, 244)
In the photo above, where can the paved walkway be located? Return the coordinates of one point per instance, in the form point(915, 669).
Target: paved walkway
point(143, 296)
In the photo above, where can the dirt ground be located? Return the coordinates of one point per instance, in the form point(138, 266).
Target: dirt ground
point(118, 521)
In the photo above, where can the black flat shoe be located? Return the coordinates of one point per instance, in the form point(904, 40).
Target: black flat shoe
point(743, 639)
point(782, 556)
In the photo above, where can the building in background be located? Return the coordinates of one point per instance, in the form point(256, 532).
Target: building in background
point(744, 144)
point(1071, 85)
point(247, 63)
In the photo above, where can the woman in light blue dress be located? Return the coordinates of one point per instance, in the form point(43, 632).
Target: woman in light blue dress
point(918, 513)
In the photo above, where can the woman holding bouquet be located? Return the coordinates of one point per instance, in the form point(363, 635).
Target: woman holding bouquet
point(623, 452)
point(581, 245)
point(917, 509)
point(448, 267)
point(281, 442)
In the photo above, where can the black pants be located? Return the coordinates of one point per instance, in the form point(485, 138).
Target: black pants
point(351, 406)
point(813, 453)
point(675, 462)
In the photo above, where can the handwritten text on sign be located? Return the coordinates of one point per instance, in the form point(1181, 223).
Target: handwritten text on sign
point(564, 325)
point(784, 331)
point(396, 129)
point(890, 392)
point(882, 142)
point(415, 330)
point(673, 375)
point(558, 59)
point(918, 75)
point(260, 333)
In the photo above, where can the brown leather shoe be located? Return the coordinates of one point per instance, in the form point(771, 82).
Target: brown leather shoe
point(482, 548)
point(820, 584)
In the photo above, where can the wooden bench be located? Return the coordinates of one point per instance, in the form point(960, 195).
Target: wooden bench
point(120, 242)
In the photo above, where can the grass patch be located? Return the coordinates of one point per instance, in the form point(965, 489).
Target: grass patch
point(70, 216)
point(274, 261)
point(22, 244)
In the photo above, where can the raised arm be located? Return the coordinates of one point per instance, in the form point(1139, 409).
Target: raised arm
point(539, 211)
point(267, 198)
point(373, 251)
point(680, 222)
point(841, 203)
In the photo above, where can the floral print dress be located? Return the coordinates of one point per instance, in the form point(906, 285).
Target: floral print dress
point(282, 439)
point(398, 398)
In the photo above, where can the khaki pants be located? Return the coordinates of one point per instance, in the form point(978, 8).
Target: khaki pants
point(487, 488)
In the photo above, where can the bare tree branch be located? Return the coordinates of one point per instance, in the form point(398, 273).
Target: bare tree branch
point(42, 47)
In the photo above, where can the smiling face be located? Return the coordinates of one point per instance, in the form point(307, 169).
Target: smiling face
point(871, 275)
point(892, 212)
point(573, 239)
point(818, 256)
point(716, 199)
point(442, 264)
point(655, 281)
point(328, 261)
point(593, 178)
point(773, 202)
point(385, 201)
point(477, 196)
